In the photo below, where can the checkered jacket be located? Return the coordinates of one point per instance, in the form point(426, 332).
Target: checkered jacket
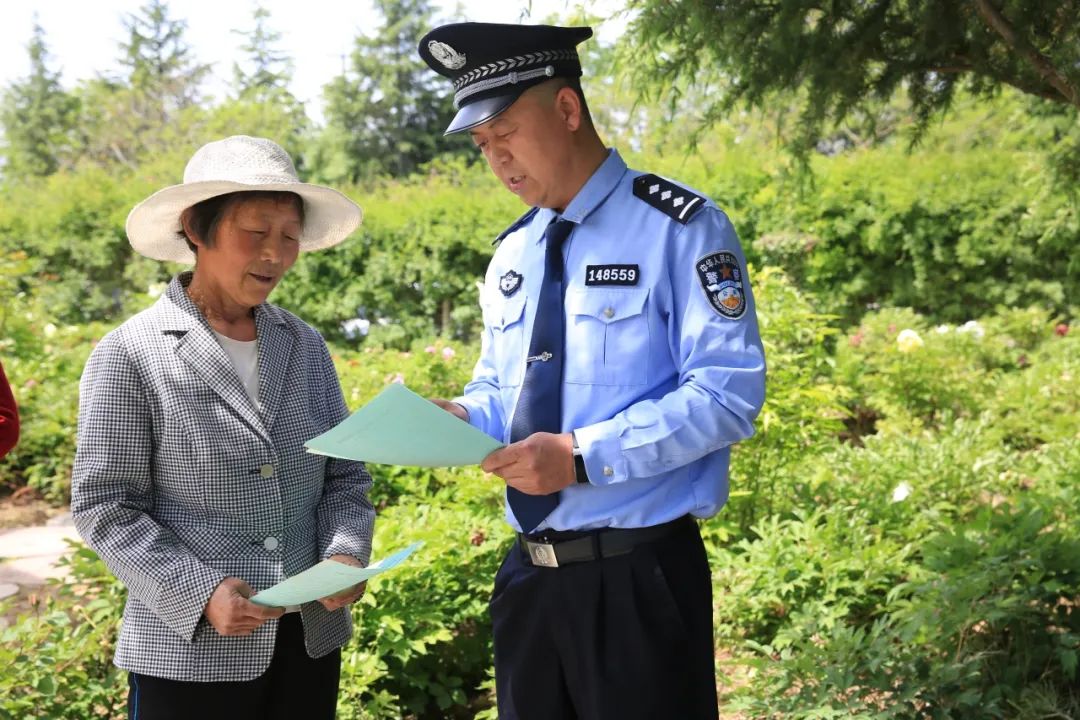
point(180, 481)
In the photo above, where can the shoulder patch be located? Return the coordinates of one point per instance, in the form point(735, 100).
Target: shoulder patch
point(676, 202)
point(517, 223)
point(723, 282)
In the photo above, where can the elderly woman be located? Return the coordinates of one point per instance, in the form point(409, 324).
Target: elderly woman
point(191, 480)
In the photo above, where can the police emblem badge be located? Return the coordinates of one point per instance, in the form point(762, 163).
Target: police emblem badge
point(509, 283)
point(722, 280)
point(447, 55)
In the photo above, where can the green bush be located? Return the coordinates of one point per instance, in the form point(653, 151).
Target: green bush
point(935, 570)
point(899, 541)
point(803, 408)
point(952, 235)
point(983, 626)
point(43, 360)
point(423, 641)
point(952, 231)
point(911, 376)
point(992, 615)
point(57, 658)
point(413, 266)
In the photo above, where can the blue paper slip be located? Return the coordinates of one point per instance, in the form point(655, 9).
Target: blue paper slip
point(327, 578)
point(398, 427)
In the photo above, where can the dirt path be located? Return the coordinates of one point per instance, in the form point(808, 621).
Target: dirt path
point(28, 558)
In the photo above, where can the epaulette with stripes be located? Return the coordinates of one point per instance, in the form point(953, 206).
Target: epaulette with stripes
point(676, 202)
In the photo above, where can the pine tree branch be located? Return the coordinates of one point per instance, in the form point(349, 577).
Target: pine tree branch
point(957, 67)
point(1042, 65)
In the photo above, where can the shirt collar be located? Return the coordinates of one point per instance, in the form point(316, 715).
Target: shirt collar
point(589, 197)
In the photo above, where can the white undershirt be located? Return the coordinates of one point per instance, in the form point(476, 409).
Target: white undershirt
point(244, 355)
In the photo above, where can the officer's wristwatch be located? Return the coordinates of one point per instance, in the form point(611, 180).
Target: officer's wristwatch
point(579, 463)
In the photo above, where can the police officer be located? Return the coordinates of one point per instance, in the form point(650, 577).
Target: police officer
point(620, 360)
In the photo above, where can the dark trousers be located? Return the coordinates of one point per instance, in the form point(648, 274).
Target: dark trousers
point(622, 637)
point(294, 686)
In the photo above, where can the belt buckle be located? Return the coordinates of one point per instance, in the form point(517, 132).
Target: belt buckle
point(542, 554)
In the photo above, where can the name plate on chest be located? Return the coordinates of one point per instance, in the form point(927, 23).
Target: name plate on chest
point(612, 274)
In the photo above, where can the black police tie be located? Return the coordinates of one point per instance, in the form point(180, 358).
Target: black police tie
point(539, 407)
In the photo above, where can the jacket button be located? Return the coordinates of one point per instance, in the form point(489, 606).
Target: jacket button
point(271, 543)
point(267, 471)
point(608, 470)
point(609, 313)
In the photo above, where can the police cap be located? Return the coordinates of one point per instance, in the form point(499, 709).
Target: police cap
point(491, 64)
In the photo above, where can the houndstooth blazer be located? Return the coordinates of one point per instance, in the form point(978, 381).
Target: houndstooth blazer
point(179, 481)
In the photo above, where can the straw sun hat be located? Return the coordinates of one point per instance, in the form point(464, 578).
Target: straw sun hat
point(235, 164)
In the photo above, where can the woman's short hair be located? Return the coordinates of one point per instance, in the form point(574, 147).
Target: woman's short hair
point(204, 217)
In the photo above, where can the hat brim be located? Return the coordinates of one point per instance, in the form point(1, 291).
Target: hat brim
point(153, 226)
point(479, 112)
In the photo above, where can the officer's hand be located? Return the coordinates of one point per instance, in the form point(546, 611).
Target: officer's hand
point(453, 408)
point(348, 595)
point(230, 611)
point(540, 464)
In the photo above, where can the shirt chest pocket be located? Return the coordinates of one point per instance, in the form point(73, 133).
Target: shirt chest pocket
point(607, 337)
point(506, 319)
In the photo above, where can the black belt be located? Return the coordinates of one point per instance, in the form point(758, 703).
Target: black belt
point(550, 549)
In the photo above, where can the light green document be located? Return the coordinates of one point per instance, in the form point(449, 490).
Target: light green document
point(327, 578)
point(398, 427)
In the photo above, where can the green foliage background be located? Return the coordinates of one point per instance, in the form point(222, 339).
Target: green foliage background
point(901, 538)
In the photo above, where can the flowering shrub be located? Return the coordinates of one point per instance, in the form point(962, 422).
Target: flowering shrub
point(900, 540)
point(913, 376)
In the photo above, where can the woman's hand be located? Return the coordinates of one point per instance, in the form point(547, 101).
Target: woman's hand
point(348, 595)
point(230, 611)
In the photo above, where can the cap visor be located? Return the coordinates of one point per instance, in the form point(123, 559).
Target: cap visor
point(479, 112)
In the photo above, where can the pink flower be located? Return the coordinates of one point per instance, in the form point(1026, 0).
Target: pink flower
point(399, 379)
point(1061, 330)
point(430, 349)
point(448, 352)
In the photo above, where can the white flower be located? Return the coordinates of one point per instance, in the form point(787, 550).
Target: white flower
point(399, 379)
point(908, 340)
point(50, 330)
point(356, 327)
point(972, 327)
point(942, 329)
point(901, 492)
point(448, 352)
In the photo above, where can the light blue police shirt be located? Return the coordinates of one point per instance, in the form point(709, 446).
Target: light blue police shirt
point(664, 365)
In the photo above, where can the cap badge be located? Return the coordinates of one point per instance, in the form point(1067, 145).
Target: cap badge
point(447, 55)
